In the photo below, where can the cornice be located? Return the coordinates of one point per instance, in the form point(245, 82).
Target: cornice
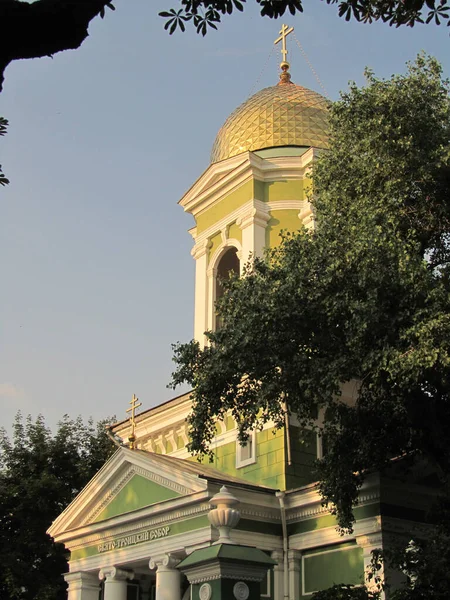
point(127, 527)
point(220, 179)
point(141, 552)
point(114, 475)
point(131, 471)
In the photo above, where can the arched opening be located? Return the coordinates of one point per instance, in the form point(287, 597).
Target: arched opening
point(228, 263)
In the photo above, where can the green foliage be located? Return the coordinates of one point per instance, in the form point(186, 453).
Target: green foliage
point(207, 13)
point(425, 562)
point(40, 474)
point(346, 592)
point(3, 125)
point(363, 299)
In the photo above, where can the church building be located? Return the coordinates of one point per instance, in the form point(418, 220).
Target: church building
point(155, 524)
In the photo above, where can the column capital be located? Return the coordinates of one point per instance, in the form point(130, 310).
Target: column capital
point(254, 216)
point(370, 541)
point(166, 561)
point(294, 558)
point(79, 580)
point(201, 248)
point(115, 574)
point(277, 555)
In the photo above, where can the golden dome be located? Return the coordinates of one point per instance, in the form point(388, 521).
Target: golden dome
point(282, 115)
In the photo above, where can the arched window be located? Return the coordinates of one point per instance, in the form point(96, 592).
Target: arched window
point(228, 263)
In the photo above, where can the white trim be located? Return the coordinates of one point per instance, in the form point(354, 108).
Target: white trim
point(244, 462)
point(294, 204)
point(127, 556)
point(222, 178)
point(220, 251)
point(117, 468)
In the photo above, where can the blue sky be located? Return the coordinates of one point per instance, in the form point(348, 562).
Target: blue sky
point(103, 141)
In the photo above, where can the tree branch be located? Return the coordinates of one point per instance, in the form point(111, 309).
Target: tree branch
point(44, 27)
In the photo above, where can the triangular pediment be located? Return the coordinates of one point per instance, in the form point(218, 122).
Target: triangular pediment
point(131, 481)
point(138, 492)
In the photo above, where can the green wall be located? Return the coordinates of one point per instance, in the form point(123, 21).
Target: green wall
point(328, 566)
point(280, 220)
point(271, 467)
point(223, 208)
point(137, 493)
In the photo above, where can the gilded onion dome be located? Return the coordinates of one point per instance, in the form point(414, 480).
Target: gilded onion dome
point(282, 115)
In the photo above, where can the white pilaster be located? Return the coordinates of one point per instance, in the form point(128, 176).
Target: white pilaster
point(295, 565)
point(253, 226)
point(368, 543)
point(168, 578)
point(278, 574)
point(115, 582)
point(82, 586)
point(210, 310)
point(200, 254)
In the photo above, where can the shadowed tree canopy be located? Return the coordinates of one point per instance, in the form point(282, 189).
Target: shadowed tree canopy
point(364, 299)
point(40, 474)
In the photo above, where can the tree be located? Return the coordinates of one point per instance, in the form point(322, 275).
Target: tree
point(207, 13)
point(3, 125)
point(365, 298)
point(40, 474)
point(45, 27)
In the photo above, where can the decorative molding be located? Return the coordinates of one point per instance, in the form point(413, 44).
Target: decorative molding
point(160, 441)
point(194, 510)
point(167, 561)
point(293, 204)
point(315, 508)
point(140, 553)
point(255, 216)
point(234, 216)
point(370, 541)
point(205, 591)
point(215, 258)
point(108, 495)
point(241, 590)
point(220, 179)
point(201, 247)
point(182, 432)
point(81, 581)
point(115, 574)
point(133, 470)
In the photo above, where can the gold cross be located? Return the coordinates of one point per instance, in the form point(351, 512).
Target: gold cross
point(134, 405)
point(285, 31)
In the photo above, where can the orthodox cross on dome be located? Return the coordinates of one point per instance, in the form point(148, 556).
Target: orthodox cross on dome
point(134, 405)
point(284, 32)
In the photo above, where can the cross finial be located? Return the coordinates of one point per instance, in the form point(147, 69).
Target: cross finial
point(134, 405)
point(284, 32)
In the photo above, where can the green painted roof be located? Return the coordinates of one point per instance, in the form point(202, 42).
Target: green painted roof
point(226, 552)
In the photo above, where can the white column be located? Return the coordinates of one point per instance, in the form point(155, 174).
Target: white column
point(368, 543)
point(82, 586)
point(278, 574)
point(115, 582)
point(200, 254)
point(295, 565)
point(253, 226)
point(168, 580)
point(210, 309)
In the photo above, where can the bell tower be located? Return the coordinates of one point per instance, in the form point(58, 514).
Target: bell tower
point(256, 186)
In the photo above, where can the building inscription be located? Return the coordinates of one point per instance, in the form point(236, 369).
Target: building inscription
point(131, 540)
